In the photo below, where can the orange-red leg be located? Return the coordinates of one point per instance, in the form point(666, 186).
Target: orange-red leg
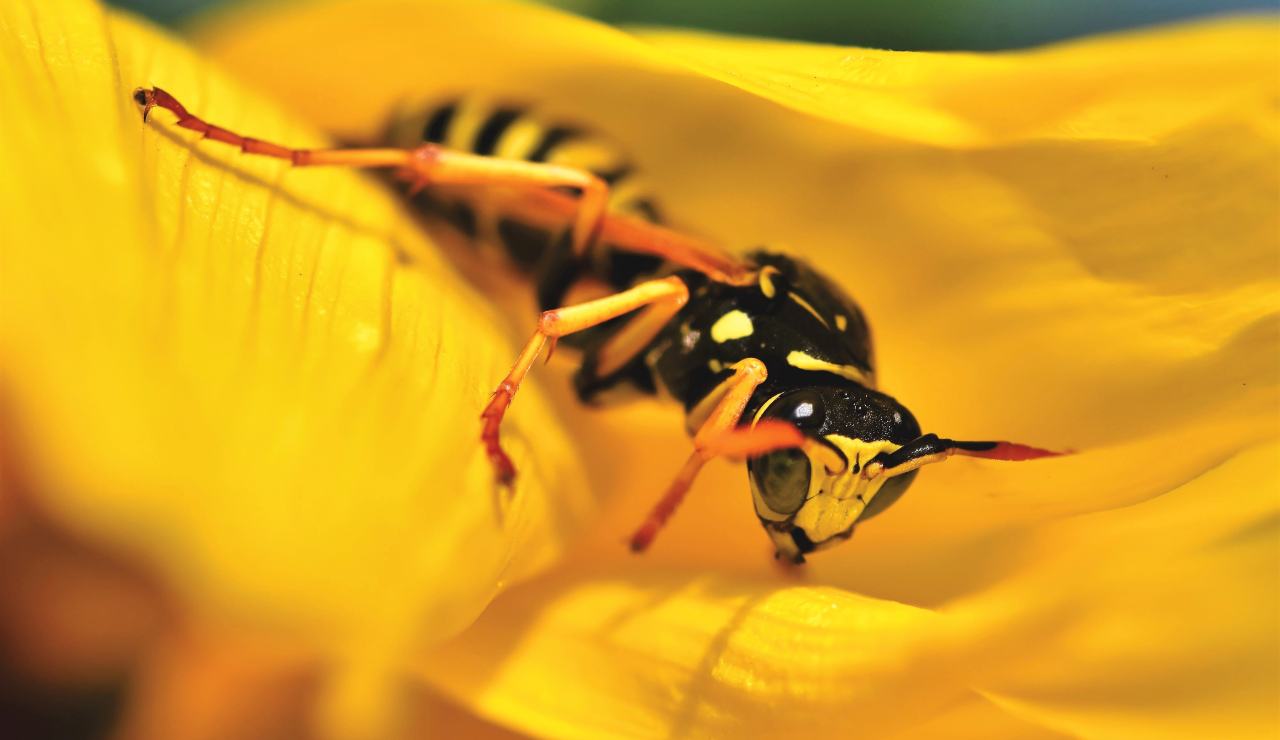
point(720, 436)
point(537, 203)
point(425, 165)
point(663, 297)
point(548, 208)
point(631, 339)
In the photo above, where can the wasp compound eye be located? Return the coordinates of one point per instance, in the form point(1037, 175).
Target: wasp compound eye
point(782, 478)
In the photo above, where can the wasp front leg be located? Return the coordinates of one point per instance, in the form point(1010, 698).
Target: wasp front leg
point(720, 436)
point(663, 299)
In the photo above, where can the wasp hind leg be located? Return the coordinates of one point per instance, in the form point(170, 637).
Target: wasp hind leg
point(548, 208)
point(536, 198)
point(422, 166)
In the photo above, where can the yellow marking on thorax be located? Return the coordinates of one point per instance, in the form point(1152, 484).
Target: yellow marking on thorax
point(734, 324)
point(842, 322)
point(808, 307)
point(766, 281)
point(803, 361)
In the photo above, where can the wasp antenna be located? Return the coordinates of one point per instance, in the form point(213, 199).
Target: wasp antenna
point(1012, 451)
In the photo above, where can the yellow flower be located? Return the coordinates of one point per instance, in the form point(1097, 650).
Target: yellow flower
point(220, 368)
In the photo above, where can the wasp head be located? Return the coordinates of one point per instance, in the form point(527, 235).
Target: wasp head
point(809, 498)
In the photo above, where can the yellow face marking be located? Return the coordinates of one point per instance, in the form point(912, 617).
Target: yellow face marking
point(766, 282)
point(808, 307)
point(860, 453)
point(842, 322)
point(803, 361)
point(733, 325)
point(835, 502)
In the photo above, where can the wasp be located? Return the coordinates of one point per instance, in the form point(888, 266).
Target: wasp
point(771, 360)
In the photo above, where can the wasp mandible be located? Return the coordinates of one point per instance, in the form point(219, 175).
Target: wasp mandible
point(771, 360)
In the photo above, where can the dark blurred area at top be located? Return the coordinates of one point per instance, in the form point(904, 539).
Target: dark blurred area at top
point(887, 24)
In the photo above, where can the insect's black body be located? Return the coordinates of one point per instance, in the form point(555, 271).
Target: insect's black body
point(511, 131)
point(812, 339)
point(770, 359)
point(816, 346)
point(793, 319)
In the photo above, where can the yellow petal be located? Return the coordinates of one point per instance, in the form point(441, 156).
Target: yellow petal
point(1155, 620)
point(263, 382)
point(637, 654)
point(1072, 246)
point(1125, 87)
point(1152, 621)
point(1049, 281)
point(981, 719)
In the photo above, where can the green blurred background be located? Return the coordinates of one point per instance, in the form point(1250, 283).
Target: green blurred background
point(889, 24)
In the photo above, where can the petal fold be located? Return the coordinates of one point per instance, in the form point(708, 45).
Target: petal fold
point(264, 383)
point(1150, 621)
point(643, 654)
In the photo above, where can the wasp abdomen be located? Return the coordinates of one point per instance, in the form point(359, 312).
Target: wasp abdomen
point(538, 248)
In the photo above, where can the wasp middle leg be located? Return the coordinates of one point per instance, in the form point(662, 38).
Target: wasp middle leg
point(663, 298)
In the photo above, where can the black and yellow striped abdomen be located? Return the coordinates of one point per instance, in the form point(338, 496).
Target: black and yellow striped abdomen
point(508, 131)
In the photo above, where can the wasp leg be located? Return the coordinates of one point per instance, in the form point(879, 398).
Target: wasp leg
point(931, 449)
point(425, 165)
point(720, 436)
point(663, 298)
point(548, 209)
